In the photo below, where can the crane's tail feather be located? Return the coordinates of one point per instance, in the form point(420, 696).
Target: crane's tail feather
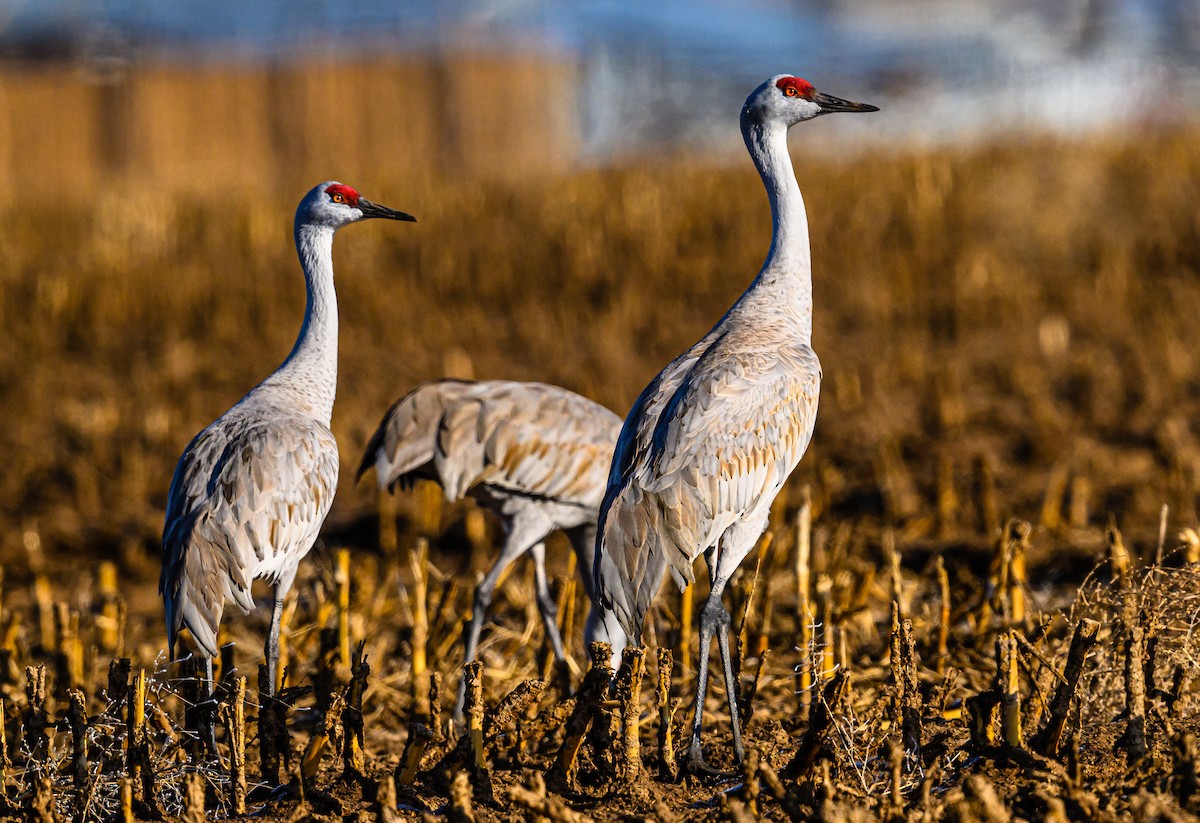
point(403, 444)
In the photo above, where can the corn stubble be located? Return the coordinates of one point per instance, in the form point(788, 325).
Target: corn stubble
point(943, 621)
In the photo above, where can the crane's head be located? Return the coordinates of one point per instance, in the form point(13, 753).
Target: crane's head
point(335, 204)
point(789, 100)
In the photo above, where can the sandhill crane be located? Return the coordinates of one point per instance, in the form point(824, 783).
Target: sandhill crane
point(713, 437)
point(251, 491)
point(535, 455)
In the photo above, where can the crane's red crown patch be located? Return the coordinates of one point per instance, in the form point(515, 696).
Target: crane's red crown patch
point(349, 195)
point(796, 87)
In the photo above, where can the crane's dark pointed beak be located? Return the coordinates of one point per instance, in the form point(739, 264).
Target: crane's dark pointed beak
point(829, 103)
point(370, 209)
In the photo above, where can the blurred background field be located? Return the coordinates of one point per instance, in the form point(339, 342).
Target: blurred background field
point(1006, 307)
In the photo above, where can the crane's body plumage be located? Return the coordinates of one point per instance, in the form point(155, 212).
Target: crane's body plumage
point(706, 448)
point(535, 455)
point(248, 499)
point(251, 491)
point(713, 438)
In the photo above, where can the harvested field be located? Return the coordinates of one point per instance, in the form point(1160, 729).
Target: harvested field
point(1012, 367)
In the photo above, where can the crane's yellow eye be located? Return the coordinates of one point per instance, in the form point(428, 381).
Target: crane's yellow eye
point(790, 91)
point(337, 198)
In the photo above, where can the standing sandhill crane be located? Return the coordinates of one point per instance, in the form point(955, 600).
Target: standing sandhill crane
point(251, 491)
point(535, 455)
point(712, 439)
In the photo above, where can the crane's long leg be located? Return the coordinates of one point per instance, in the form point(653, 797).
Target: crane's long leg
point(546, 604)
point(208, 728)
point(523, 534)
point(272, 649)
point(282, 586)
point(714, 619)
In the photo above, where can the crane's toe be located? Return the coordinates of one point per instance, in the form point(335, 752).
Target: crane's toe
point(697, 766)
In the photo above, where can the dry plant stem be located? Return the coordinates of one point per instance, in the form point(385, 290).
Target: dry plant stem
point(1056, 488)
point(41, 809)
point(1191, 546)
point(1118, 555)
point(787, 801)
point(342, 579)
point(751, 788)
point(904, 678)
point(1179, 680)
point(667, 765)
point(746, 705)
point(943, 635)
point(435, 705)
point(1016, 572)
point(1134, 739)
point(629, 689)
point(947, 497)
point(126, 790)
point(1150, 665)
point(354, 760)
point(820, 727)
point(513, 704)
point(45, 611)
point(459, 809)
point(1184, 781)
point(35, 713)
point(77, 715)
point(685, 632)
point(1162, 534)
point(535, 800)
point(193, 798)
point(893, 559)
point(896, 765)
point(825, 609)
point(419, 566)
point(764, 552)
point(587, 703)
point(1040, 701)
point(804, 610)
point(1010, 717)
point(330, 731)
point(988, 503)
point(138, 754)
point(419, 736)
point(283, 650)
point(235, 729)
point(109, 619)
point(5, 763)
point(474, 708)
point(1050, 739)
point(385, 800)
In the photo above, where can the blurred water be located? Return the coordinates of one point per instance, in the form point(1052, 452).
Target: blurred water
point(668, 73)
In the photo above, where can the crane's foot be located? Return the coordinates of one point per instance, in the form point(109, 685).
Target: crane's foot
point(696, 765)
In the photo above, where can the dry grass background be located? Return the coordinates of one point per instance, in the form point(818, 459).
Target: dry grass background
point(1024, 311)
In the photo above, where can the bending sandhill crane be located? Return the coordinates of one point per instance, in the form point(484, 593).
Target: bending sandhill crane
point(712, 439)
point(535, 455)
point(251, 491)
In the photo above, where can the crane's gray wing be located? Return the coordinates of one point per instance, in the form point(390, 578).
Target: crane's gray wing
point(529, 438)
point(401, 449)
point(246, 496)
point(723, 445)
point(634, 445)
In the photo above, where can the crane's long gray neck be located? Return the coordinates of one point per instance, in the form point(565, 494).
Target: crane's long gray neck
point(786, 274)
point(311, 369)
